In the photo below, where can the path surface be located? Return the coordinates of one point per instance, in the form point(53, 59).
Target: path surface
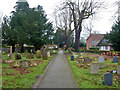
point(58, 75)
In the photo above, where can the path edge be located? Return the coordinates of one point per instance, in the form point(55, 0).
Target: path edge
point(74, 79)
point(41, 77)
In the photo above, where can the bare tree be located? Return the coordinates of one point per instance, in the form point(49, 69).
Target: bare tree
point(63, 21)
point(81, 10)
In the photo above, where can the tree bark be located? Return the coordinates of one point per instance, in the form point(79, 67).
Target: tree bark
point(22, 48)
point(67, 42)
point(13, 48)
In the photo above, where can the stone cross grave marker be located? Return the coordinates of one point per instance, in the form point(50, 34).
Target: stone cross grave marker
point(108, 79)
point(94, 68)
point(48, 54)
point(10, 51)
point(118, 69)
point(115, 59)
point(101, 59)
point(24, 63)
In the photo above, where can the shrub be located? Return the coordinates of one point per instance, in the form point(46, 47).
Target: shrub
point(94, 48)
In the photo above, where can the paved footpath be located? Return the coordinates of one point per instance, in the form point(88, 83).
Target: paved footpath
point(58, 75)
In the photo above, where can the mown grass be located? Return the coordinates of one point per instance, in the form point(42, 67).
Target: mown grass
point(22, 77)
point(87, 80)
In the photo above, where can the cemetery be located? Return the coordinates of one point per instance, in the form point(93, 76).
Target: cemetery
point(100, 71)
point(20, 69)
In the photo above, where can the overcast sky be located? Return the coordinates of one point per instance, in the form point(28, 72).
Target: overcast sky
point(103, 23)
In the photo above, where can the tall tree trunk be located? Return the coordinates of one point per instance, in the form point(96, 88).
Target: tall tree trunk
point(22, 48)
point(13, 48)
point(77, 37)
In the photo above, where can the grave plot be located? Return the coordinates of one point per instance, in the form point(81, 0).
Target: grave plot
point(20, 72)
point(93, 74)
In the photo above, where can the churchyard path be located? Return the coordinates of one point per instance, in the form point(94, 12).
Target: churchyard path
point(59, 74)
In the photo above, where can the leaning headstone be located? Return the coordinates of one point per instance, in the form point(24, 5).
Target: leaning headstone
point(17, 56)
point(101, 59)
point(24, 64)
point(118, 69)
point(101, 65)
point(115, 59)
point(10, 51)
point(94, 68)
point(48, 54)
point(108, 79)
point(72, 58)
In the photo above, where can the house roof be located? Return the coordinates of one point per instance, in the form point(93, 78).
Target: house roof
point(104, 42)
point(96, 36)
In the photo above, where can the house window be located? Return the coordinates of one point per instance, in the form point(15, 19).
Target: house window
point(106, 47)
point(92, 42)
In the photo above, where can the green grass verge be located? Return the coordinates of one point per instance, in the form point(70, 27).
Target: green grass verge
point(87, 80)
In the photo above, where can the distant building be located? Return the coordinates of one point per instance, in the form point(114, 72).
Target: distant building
point(98, 40)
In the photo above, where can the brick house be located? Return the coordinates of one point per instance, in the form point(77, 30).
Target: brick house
point(93, 40)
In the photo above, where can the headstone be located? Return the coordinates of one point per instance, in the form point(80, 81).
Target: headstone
point(10, 51)
point(115, 59)
point(108, 79)
point(53, 51)
point(24, 64)
point(75, 56)
point(38, 54)
point(101, 59)
point(48, 54)
point(17, 56)
point(118, 69)
point(101, 65)
point(72, 58)
point(41, 51)
point(94, 68)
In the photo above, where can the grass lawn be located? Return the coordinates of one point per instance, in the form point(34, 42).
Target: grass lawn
point(87, 80)
point(22, 77)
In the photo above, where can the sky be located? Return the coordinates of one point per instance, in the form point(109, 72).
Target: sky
point(103, 22)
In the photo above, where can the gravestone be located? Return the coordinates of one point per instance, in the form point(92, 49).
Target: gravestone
point(101, 59)
point(53, 51)
point(118, 69)
point(24, 64)
point(108, 79)
point(72, 58)
point(94, 68)
point(38, 54)
point(101, 65)
point(17, 56)
point(48, 54)
point(10, 51)
point(75, 56)
point(115, 59)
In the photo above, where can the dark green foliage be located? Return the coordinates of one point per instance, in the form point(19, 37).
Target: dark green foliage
point(114, 36)
point(94, 48)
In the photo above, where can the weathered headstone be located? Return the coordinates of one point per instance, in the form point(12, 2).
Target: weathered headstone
point(38, 54)
point(101, 65)
point(101, 59)
point(72, 58)
point(94, 68)
point(24, 64)
point(115, 59)
point(17, 56)
point(108, 79)
point(118, 69)
point(10, 51)
point(48, 54)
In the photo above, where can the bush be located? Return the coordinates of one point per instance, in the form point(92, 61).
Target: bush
point(94, 48)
